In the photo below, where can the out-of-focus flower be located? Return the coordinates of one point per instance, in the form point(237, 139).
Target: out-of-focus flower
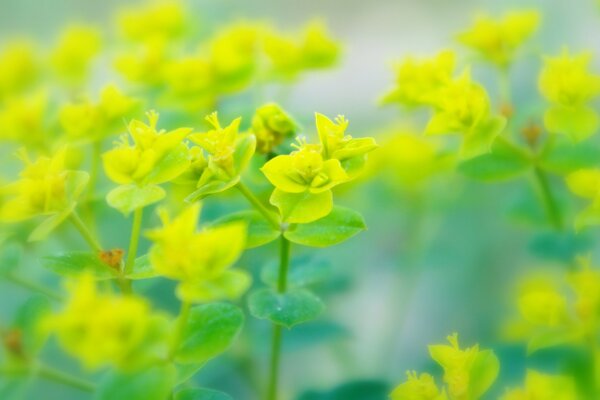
point(45, 187)
point(92, 121)
point(23, 120)
point(585, 183)
point(568, 84)
point(74, 52)
point(233, 56)
point(163, 20)
point(228, 152)
point(418, 387)
point(200, 261)
point(468, 374)
point(542, 386)
point(145, 65)
point(419, 81)
point(462, 106)
point(19, 67)
point(497, 40)
point(272, 125)
point(106, 329)
point(290, 56)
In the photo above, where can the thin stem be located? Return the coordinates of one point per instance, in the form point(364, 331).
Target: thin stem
point(184, 315)
point(260, 207)
point(284, 261)
point(33, 286)
point(550, 203)
point(136, 226)
point(85, 233)
point(64, 378)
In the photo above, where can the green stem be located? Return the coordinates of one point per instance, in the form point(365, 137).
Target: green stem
point(64, 378)
point(284, 261)
point(184, 315)
point(33, 286)
point(550, 203)
point(260, 207)
point(85, 233)
point(134, 240)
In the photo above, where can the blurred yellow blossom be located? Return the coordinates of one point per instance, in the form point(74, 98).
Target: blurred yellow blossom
point(568, 84)
point(23, 119)
point(76, 48)
point(200, 260)
point(154, 20)
point(271, 125)
point(541, 386)
point(585, 183)
point(19, 67)
point(105, 329)
point(497, 40)
point(418, 387)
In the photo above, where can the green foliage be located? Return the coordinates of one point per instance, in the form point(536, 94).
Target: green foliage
point(75, 263)
point(128, 198)
point(259, 230)
point(287, 309)
point(201, 394)
point(504, 161)
point(154, 383)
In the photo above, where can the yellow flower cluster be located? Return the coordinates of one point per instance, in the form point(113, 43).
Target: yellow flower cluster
point(199, 261)
point(304, 178)
point(106, 329)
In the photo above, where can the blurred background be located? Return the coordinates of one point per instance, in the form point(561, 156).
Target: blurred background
point(439, 259)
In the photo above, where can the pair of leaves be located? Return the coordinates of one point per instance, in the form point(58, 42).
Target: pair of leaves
point(340, 225)
point(286, 309)
point(128, 198)
point(578, 122)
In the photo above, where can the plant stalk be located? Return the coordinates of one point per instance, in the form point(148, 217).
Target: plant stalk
point(550, 203)
point(84, 231)
point(258, 205)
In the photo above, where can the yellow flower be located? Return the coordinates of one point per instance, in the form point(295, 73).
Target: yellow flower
point(497, 40)
point(468, 373)
point(228, 153)
point(104, 329)
point(233, 57)
point(586, 183)
point(542, 304)
point(419, 81)
point(156, 156)
point(75, 50)
point(87, 120)
point(22, 119)
point(156, 20)
point(290, 56)
point(337, 145)
point(19, 67)
point(567, 80)
point(541, 386)
point(418, 387)
point(46, 188)
point(271, 125)
point(303, 181)
point(569, 86)
point(200, 261)
point(146, 64)
point(191, 79)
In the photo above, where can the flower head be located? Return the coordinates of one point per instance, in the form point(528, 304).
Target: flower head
point(271, 125)
point(200, 260)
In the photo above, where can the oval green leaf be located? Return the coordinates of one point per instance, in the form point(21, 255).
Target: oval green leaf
point(287, 309)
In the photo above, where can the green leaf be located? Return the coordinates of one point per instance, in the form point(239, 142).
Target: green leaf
point(304, 207)
point(564, 156)
point(173, 164)
point(552, 338)
point(579, 122)
point(153, 383)
point(142, 269)
point(484, 372)
point(339, 225)
point(229, 285)
point(48, 225)
point(76, 262)
point(304, 271)
point(128, 198)
point(479, 140)
point(212, 187)
point(201, 394)
point(185, 372)
point(260, 231)
point(27, 321)
point(209, 331)
point(287, 309)
point(504, 162)
point(244, 150)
